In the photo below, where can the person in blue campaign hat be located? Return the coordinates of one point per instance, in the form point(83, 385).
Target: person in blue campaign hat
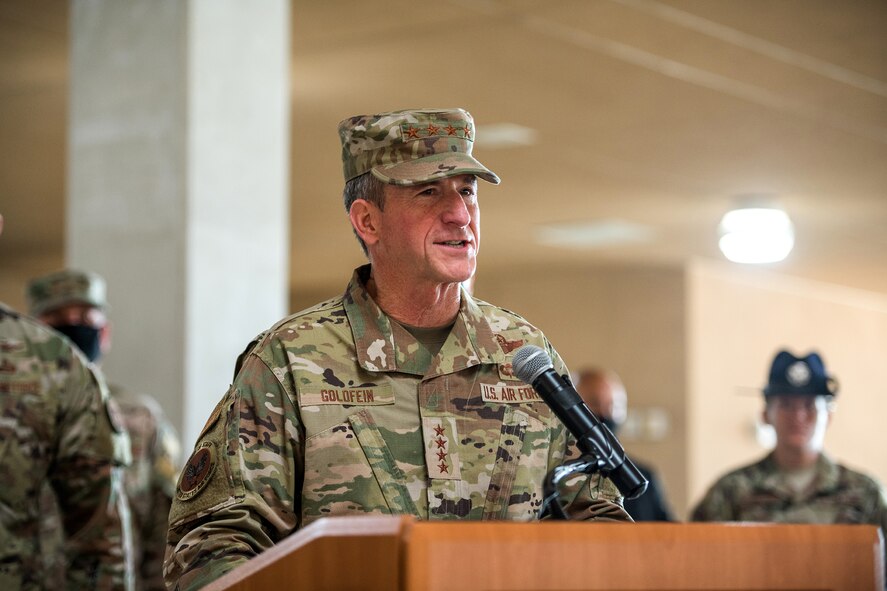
point(797, 482)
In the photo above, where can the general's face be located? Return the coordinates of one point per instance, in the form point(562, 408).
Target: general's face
point(799, 421)
point(431, 232)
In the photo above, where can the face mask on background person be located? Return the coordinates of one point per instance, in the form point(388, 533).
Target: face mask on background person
point(87, 339)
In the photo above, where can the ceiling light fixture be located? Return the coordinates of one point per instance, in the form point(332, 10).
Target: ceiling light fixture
point(756, 235)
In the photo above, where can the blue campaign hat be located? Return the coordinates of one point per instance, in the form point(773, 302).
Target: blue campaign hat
point(800, 375)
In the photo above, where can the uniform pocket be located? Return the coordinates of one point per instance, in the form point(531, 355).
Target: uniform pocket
point(349, 469)
point(521, 463)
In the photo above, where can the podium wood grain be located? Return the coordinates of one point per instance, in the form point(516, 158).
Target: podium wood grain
point(404, 554)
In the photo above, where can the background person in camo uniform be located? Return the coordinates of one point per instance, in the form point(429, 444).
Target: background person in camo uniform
point(797, 482)
point(396, 397)
point(54, 428)
point(74, 303)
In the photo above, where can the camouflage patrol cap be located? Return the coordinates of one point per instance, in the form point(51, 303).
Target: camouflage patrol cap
point(411, 147)
point(799, 376)
point(66, 287)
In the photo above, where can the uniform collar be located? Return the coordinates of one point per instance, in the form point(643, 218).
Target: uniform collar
point(384, 346)
point(827, 476)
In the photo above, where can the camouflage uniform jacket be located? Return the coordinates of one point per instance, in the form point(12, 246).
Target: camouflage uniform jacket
point(759, 492)
point(150, 481)
point(337, 410)
point(54, 425)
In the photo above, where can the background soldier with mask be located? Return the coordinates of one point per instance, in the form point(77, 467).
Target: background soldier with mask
point(54, 428)
point(74, 303)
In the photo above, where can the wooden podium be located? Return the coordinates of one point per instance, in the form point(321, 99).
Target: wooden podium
point(405, 554)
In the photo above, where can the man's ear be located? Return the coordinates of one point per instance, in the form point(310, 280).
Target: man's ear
point(366, 220)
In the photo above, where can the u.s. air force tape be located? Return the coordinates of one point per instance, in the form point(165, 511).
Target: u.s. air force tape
point(197, 472)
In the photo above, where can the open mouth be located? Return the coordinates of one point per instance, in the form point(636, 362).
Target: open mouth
point(454, 243)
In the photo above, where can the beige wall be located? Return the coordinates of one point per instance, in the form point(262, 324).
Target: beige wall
point(17, 269)
point(736, 322)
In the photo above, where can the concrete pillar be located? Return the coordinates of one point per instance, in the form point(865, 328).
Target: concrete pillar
point(178, 185)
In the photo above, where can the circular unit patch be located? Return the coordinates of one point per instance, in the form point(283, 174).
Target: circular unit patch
point(197, 472)
point(798, 374)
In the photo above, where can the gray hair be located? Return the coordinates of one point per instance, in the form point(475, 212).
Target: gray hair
point(367, 187)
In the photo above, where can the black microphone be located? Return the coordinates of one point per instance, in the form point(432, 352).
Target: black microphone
point(533, 366)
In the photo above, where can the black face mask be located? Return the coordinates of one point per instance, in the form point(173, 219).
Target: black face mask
point(610, 423)
point(86, 338)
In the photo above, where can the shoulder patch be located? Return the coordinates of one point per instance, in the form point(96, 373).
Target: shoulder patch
point(197, 472)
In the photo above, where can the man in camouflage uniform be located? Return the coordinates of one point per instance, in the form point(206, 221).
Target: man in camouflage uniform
point(797, 482)
point(396, 397)
point(74, 303)
point(55, 428)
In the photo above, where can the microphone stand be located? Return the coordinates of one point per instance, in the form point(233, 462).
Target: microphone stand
point(551, 502)
point(609, 460)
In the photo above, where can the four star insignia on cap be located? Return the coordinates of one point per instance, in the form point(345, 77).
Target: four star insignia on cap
point(411, 132)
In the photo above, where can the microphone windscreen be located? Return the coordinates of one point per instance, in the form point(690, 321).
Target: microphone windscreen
point(529, 362)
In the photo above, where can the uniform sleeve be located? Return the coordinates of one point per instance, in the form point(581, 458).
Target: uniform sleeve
point(88, 486)
point(236, 496)
point(592, 497)
point(165, 461)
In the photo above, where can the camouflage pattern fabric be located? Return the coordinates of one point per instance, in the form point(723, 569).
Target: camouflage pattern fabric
point(411, 147)
point(55, 427)
point(52, 530)
point(337, 411)
point(760, 492)
point(67, 287)
point(150, 481)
